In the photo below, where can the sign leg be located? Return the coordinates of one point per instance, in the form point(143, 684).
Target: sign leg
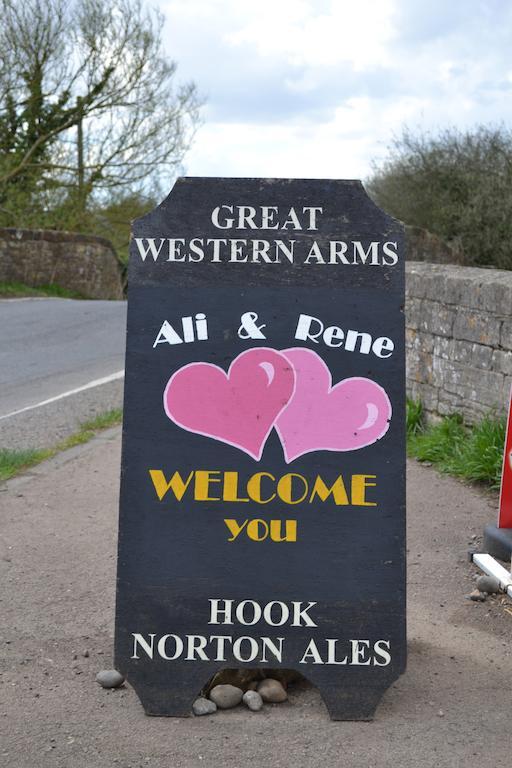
point(174, 695)
point(351, 703)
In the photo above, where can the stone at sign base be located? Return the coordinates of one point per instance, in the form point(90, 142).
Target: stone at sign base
point(272, 691)
point(498, 542)
point(226, 696)
point(253, 701)
point(203, 706)
point(109, 678)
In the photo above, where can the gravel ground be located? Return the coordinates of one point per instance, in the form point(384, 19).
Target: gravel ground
point(57, 571)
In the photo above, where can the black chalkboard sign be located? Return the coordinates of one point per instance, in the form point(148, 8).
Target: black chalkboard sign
point(262, 514)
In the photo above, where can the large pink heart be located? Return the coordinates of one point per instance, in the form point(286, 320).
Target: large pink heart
point(352, 414)
point(238, 408)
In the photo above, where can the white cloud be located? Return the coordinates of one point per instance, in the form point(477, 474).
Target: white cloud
point(344, 31)
point(317, 88)
point(339, 148)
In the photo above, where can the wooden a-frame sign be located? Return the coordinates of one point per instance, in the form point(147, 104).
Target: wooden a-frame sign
point(262, 513)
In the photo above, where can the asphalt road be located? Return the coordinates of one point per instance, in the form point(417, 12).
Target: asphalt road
point(49, 347)
point(451, 708)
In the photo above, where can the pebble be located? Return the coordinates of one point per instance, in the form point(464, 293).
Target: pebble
point(226, 696)
point(477, 596)
point(488, 584)
point(109, 678)
point(272, 691)
point(253, 701)
point(203, 706)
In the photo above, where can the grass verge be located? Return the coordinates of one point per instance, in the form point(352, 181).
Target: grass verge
point(14, 462)
point(20, 290)
point(473, 452)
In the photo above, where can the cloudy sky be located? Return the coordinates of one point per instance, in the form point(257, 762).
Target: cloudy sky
point(317, 88)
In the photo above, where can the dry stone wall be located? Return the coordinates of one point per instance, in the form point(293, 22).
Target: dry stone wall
point(81, 263)
point(459, 338)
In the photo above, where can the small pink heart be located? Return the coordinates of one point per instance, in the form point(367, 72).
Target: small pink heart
point(352, 414)
point(238, 407)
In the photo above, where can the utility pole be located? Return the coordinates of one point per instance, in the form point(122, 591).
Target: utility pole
point(80, 159)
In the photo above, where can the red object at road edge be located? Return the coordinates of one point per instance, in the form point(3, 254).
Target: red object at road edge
point(505, 512)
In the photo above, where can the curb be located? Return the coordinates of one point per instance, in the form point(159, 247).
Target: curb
point(47, 466)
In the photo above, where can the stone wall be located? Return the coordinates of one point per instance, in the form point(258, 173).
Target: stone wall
point(459, 338)
point(81, 263)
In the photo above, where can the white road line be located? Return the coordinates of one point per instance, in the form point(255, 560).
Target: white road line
point(90, 385)
point(34, 298)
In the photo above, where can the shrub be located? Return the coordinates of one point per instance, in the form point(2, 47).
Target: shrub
point(456, 184)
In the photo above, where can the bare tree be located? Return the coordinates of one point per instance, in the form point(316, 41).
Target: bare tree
point(87, 100)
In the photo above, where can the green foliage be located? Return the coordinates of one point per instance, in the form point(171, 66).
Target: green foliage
point(113, 220)
point(14, 462)
point(481, 456)
point(439, 442)
point(456, 184)
point(414, 416)
point(13, 290)
point(473, 452)
point(103, 421)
